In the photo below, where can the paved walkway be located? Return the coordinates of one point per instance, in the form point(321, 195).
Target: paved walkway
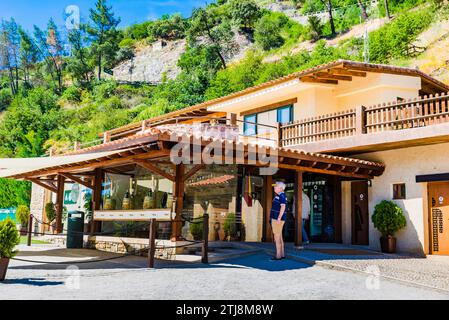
point(246, 277)
point(432, 271)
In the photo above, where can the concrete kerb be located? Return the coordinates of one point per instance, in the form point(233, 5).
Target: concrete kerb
point(335, 266)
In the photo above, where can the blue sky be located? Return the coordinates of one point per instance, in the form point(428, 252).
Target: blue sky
point(30, 12)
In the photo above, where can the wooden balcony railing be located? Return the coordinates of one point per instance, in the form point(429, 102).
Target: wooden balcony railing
point(341, 124)
point(419, 112)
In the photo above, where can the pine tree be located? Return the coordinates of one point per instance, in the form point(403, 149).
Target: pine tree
point(9, 52)
point(328, 5)
point(78, 64)
point(104, 35)
point(51, 49)
point(29, 54)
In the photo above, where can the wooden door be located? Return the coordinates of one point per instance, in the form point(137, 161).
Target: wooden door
point(439, 217)
point(359, 214)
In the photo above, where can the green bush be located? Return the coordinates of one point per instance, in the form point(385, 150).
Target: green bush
point(230, 226)
point(315, 27)
point(394, 39)
point(169, 27)
point(267, 33)
point(50, 211)
point(104, 90)
point(9, 238)
point(127, 43)
point(22, 215)
point(5, 98)
point(196, 229)
point(72, 94)
point(388, 218)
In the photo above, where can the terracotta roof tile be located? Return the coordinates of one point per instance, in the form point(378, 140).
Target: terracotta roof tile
point(211, 181)
point(348, 63)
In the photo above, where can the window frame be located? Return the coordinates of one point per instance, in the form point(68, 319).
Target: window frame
point(290, 111)
point(245, 124)
point(401, 192)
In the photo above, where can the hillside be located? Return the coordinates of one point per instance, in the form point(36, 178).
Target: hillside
point(51, 99)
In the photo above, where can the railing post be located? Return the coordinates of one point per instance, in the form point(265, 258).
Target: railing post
point(360, 120)
point(233, 120)
point(30, 229)
point(106, 137)
point(204, 258)
point(76, 146)
point(279, 134)
point(152, 247)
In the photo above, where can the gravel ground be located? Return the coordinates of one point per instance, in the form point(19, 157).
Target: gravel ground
point(249, 277)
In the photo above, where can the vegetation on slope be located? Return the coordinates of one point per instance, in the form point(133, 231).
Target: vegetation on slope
point(52, 98)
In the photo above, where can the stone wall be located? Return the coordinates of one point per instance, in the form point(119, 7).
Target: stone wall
point(37, 203)
point(165, 248)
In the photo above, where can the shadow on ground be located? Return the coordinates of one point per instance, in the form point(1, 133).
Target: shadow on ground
point(38, 282)
point(254, 261)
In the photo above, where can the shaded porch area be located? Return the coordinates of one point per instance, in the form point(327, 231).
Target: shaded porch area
point(139, 176)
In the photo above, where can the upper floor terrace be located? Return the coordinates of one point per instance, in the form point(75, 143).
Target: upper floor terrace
point(339, 107)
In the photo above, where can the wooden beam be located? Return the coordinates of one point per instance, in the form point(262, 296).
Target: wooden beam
point(59, 203)
point(269, 107)
point(77, 180)
point(331, 172)
point(346, 72)
point(316, 80)
point(44, 184)
point(96, 199)
point(268, 198)
point(194, 170)
point(154, 169)
point(94, 165)
point(325, 75)
point(179, 200)
point(298, 208)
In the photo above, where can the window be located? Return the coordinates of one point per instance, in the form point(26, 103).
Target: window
point(399, 191)
point(249, 126)
point(285, 114)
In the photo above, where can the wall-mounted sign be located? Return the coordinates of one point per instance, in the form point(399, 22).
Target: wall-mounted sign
point(133, 215)
point(69, 197)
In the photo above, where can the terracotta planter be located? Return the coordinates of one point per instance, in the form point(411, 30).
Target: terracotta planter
point(4, 262)
point(388, 244)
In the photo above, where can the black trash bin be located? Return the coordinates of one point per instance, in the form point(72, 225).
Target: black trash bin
point(75, 230)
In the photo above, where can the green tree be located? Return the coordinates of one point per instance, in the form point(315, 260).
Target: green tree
point(78, 64)
point(51, 49)
point(29, 54)
point(209, 24)
point(104, 35)
point(9, 52)
point(329, 7)
point(169, 27)
point(14, 193)
point(245, 13)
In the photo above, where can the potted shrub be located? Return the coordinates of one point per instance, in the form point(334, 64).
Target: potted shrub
point(196, 229)
point(22, 215)
point(50, 212)
point(230, 227)
point(388, 218)
point(9, 238)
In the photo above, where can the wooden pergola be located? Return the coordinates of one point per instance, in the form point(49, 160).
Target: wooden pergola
point(151, 150)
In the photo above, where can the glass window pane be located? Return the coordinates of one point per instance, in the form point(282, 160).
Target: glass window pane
point(285, 114)
point(250, 128)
